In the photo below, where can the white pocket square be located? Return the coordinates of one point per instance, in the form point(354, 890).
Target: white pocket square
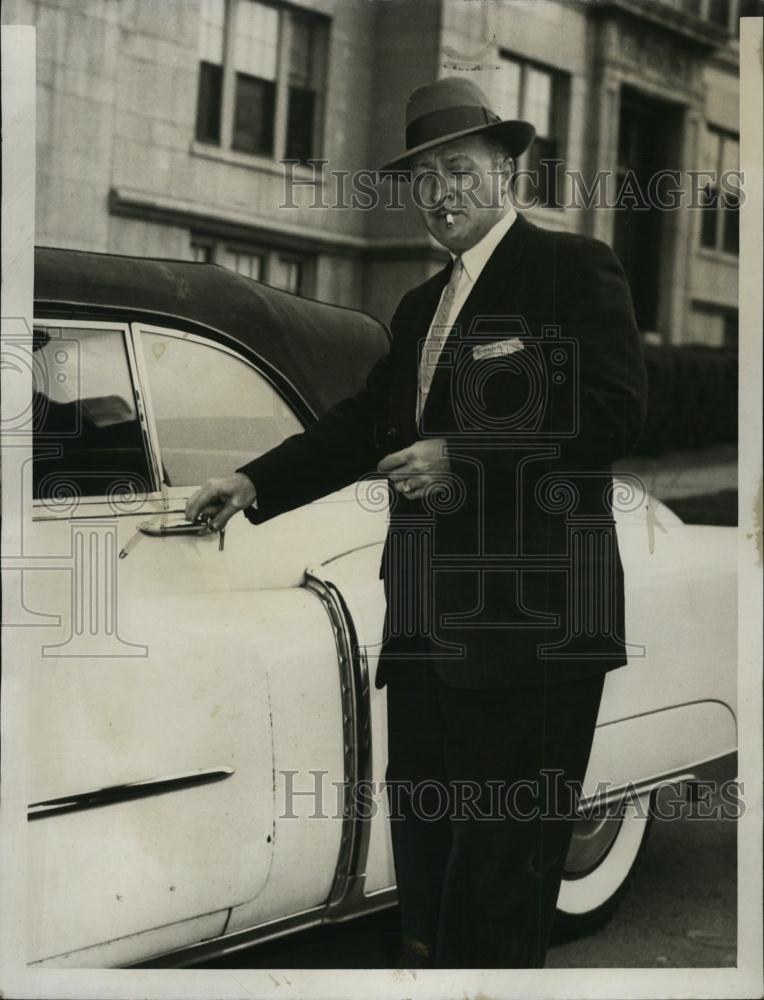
point(497, 348)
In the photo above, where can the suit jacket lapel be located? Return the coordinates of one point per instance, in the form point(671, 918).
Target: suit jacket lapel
point(492, 280)
point(491, 283)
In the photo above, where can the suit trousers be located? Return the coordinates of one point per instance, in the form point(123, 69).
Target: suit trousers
point(482, 788)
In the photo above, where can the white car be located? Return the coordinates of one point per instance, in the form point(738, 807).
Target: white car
point(200, 713)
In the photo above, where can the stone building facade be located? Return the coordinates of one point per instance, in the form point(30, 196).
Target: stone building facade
point(161, 124)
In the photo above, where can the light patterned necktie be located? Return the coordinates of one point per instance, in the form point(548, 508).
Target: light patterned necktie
point(437, 334)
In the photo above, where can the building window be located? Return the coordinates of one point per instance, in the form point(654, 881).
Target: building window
point(201, 252)
point(255, 64)
point(724, 14)
point(540, 95)
point(719, 228)
point(713, 324)
point(262, 73)
point(242, 261)
point(719, 12)
point(731, 329)
point(210, 91)
point(290, 272)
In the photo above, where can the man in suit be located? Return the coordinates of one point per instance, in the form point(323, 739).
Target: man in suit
point(515, 378)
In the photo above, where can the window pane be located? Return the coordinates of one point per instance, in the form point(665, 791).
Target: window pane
point(300, 124)
point(544, 173)
point(710, 202)
point(300, 52)
point(211, 27)
point(213, 412)
point(87, 437)
point(731, 333)
point(505, 90)
point(751, 8)
point(730, 159)
point(209, 103)
point(289, 275)
point(201, 253)
point(256, 44)
point(719, 12)
point(730, 153)
point(730, 223)
point(306, 61)
point(711, 150)
point(248, 264)
point(537, 105)
point(709, 198)
point(254, 115)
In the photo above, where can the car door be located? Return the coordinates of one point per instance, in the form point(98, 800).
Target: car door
point(210, 417)
point(151, 764)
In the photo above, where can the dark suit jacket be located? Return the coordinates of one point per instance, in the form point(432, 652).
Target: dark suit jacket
point(512, 576)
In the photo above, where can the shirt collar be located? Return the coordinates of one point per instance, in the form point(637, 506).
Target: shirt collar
point(475, 259)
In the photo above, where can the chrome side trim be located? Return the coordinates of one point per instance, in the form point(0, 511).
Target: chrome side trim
point(228, 944)
point(346, 894)
point(691, 772)
point(363, 905)
point(113, 794)
point(193, 954)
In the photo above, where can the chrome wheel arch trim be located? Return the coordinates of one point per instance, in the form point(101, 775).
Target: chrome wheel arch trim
point(347, 895)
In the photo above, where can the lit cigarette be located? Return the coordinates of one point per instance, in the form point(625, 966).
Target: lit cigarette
point(449, 219)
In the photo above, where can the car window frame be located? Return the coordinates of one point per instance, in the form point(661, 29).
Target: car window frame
point(91, 505)
point(161, 498)
point(139, 327)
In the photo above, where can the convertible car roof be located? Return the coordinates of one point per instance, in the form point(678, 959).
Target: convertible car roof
point(324, 351)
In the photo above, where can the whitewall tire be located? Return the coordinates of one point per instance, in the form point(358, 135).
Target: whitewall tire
point(600, 866)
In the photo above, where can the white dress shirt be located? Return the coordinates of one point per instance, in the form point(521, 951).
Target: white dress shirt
point(474, 260)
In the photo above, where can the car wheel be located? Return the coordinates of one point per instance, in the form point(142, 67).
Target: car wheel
point(602, 859)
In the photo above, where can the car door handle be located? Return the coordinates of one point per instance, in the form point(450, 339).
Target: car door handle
point(160, 530)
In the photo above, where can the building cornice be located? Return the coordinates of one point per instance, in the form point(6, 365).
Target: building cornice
point(233, 224)
point(702, 34)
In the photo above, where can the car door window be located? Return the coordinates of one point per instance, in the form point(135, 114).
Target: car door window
point(87, 436)
point(213, 411)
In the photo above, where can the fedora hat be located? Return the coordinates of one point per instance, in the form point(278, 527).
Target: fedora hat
point(449, 109)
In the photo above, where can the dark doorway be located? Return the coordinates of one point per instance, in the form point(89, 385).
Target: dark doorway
point(647, 143)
